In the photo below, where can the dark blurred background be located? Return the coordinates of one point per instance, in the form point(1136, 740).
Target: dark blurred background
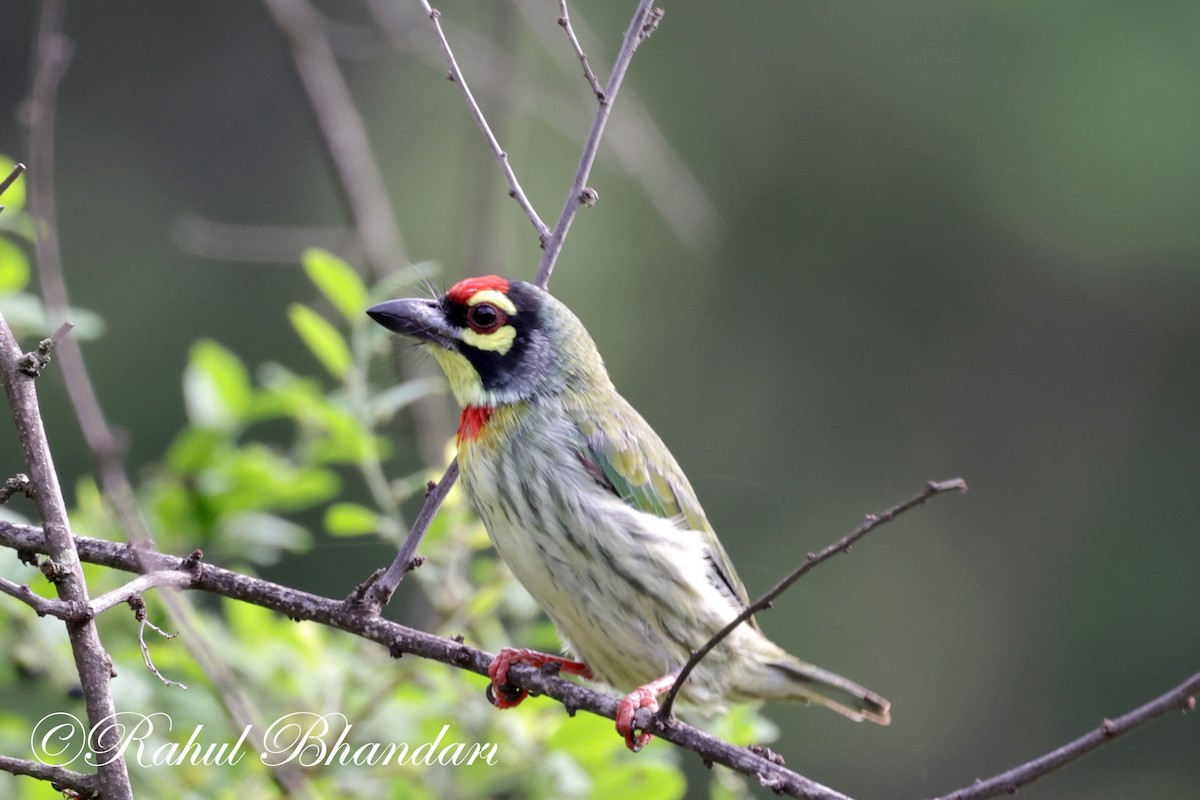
point(876, 244)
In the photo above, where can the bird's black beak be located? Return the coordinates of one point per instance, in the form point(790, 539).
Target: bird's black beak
point(416, 317)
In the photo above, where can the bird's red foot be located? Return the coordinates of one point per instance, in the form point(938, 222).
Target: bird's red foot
point(630, 704)
point(503, 694)
point(641, 697)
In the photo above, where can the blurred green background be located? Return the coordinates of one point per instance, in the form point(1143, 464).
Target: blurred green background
point(872, 244)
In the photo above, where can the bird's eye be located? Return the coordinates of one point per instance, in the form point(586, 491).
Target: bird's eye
point(485, 318)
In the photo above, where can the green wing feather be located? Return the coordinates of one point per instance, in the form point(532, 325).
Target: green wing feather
point(625, 455)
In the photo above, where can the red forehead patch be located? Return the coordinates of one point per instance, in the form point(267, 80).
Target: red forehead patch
point(464, 290)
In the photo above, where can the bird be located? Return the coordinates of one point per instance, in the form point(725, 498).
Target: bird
point(594, 516)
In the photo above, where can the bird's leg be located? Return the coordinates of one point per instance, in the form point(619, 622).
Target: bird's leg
point(641, 697)
point(502, 694)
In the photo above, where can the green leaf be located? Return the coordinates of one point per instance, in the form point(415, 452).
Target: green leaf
point(216, 386)
point(385, 404)
point(338, 281)
point(350, 519)
point(14, 267)
point(13, 198)
point(322, 339)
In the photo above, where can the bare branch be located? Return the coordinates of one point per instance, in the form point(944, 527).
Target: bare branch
point(564, 19)
point(401, 640)
point(91, 661)
point(376, 592)
point(52, 52)
point(514, 186)
point(139, 606)
point(58, 777)
point(840, 546)
point(344, 133)
point(643, 22)
point(1181, 698)
point(144, 583)
point(42, 605)
point(17, 171)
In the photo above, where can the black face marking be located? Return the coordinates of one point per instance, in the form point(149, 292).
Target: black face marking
point(499, 371)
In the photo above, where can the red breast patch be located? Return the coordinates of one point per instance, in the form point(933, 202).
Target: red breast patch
point(472, 422)
point(464, 290)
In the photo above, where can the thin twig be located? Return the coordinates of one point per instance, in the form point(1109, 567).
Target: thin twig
point(58, 777)
point(401, 640)
point(514, 186)
point(17, 171)
point(142, 625)
point(343, 132)
point(645, 19)
point(42, 605)
point(1181, 698)
point(139, 585)
point(376, 592)
point(840, 546)
point(564, 19)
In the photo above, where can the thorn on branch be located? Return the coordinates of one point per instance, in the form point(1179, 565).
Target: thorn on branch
point(589, 196)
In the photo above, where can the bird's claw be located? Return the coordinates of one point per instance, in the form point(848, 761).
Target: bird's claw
point(509, 695)
point(627, 708)
point(500, 692)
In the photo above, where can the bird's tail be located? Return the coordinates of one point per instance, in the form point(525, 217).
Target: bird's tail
point(789, 678)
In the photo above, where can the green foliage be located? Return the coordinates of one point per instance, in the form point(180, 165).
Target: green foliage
point(264, 450)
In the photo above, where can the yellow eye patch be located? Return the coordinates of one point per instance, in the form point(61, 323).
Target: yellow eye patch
point(499, 341)
point(498, 299)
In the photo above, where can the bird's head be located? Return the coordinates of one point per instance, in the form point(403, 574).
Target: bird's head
point(498, 341)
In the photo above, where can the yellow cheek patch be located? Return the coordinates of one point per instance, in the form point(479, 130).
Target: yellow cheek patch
point(498, 341)
point(498, 299)
point(464, 380)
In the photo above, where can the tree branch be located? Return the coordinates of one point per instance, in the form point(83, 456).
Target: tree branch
point(17, 171)
point(376, 591)
point(514, 186)
point(144, 583)
point(564, 20)
point(52, 52)
point(401, 640)
point(44, 606)
point(1181, 698)
point(840, 546)
point(91, 661)
point(59, 777)
point(645, 20)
